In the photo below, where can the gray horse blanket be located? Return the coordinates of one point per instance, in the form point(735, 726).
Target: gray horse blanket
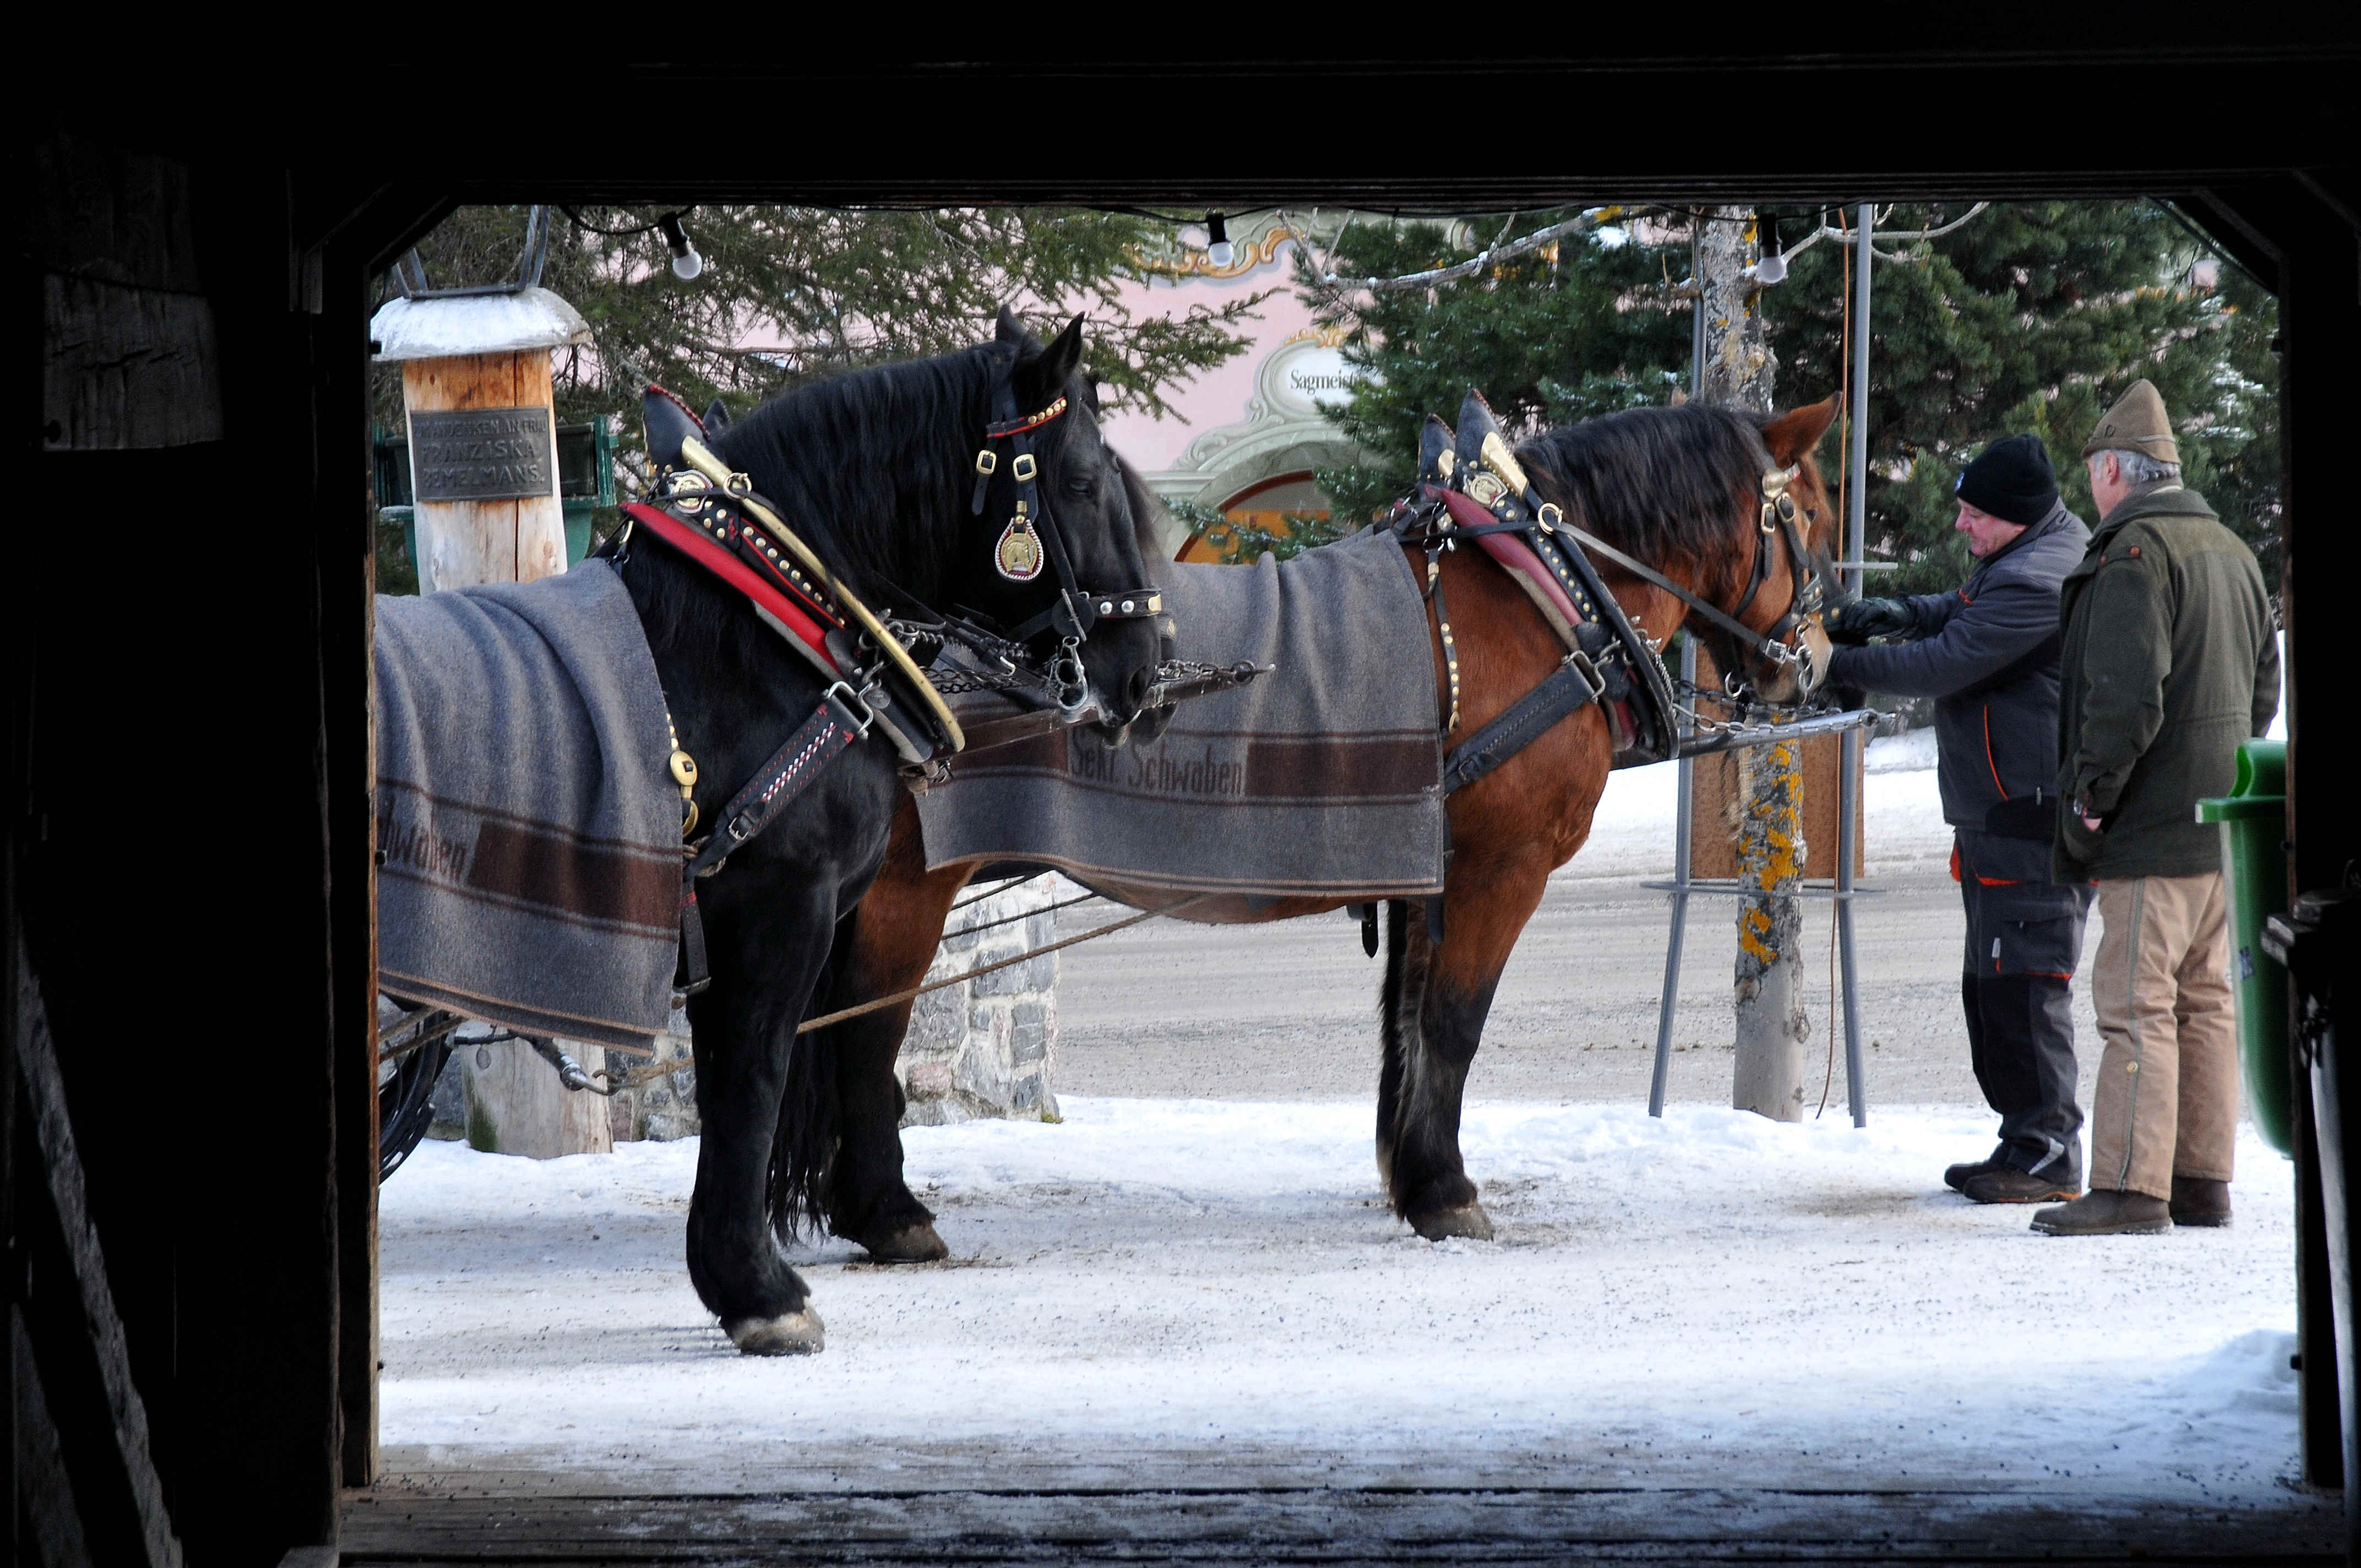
point(528, 831)
point(1323, 779)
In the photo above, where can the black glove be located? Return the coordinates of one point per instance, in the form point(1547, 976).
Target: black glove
point(1858, 621)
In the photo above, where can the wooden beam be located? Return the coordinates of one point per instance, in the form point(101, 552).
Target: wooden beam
point(66, 1332)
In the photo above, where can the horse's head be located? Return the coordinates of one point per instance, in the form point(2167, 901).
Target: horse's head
point(1789, 520)
point(1056, 546)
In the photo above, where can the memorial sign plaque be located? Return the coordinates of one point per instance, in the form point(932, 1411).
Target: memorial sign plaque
point(481, 455)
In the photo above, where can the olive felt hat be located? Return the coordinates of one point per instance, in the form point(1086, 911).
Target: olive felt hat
point(2137, 423)
point(2013, 481)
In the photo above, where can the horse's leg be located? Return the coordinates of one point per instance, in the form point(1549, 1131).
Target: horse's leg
point(1397, 1004)
point(1486, 904)
point(896, 931)
point(767, 939)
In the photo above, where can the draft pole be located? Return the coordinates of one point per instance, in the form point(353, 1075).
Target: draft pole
point(1849, 766)
point(1672, 996)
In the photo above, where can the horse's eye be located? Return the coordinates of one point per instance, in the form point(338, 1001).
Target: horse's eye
point(1080, 484)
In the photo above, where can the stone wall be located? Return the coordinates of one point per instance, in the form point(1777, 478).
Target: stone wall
point(984, 1048)
point(987, 1047)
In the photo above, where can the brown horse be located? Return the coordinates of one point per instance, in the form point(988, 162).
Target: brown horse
point(1680, 489)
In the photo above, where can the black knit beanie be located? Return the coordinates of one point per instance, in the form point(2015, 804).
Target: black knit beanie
point(2012, 481)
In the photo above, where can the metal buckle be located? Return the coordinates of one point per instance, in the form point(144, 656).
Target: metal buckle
point(1548, 516)
point(859, 724)
point(987, 461)
point(1589, 671)
point(1023, 468)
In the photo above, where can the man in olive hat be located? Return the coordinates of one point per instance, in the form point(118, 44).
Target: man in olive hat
point(1988, 654)
point(2169, 663)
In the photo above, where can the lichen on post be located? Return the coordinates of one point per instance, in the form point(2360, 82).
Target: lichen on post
point(1737, 370)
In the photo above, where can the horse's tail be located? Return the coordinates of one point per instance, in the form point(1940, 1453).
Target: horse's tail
point(803, 1144)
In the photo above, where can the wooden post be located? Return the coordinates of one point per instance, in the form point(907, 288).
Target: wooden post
point(507, 420)
point(1738, 368)
point(476, 389)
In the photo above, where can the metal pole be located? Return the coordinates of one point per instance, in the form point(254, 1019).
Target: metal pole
point(1696, 325)
point(1857, 471)
point(1848, 795)
point(1850, 749)
point(1680, 910)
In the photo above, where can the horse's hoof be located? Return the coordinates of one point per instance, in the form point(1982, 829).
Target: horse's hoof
point(1468, 1221)
point(911, 1243)
point(796, 1334)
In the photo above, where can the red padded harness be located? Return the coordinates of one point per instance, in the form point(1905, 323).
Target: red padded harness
point(770, 589)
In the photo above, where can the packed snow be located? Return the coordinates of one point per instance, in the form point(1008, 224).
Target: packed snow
point(1208, 1288)
point(1193, 1292)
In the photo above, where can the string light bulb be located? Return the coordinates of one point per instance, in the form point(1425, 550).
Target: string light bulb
point(685, 263)
point(1218, 249)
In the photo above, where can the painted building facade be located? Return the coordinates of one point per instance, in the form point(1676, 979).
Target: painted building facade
point(1250, 434)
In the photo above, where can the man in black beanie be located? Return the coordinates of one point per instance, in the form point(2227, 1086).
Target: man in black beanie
point(1988, 654)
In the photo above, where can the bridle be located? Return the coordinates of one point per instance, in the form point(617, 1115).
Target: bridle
point(1032, 539)
point(1472, 488)
point(1782, 642)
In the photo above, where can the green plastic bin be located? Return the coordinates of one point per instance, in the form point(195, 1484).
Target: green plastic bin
point(2254, 866)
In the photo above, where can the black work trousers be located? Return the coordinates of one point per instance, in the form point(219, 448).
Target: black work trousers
point(2024, 934)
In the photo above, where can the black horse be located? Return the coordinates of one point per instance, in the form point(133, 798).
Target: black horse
point(877, 471)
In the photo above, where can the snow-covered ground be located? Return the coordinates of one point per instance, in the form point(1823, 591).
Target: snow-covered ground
point(1208, 1292)
point(1200, 1293)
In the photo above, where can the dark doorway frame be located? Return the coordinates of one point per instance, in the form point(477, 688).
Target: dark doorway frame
point(252, 1336)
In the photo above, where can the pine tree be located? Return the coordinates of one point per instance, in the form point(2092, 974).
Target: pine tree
point(1579, 328)
point(2030, 317)
point(2034, 317)
point(789, 295)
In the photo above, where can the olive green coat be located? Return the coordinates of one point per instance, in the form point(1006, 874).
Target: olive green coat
point(2169, 663)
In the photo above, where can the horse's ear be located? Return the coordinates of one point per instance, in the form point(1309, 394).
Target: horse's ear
point(1433, 440)
point(1041, 377)
point(1791, 437)
point(1006, 328)
point(716, 419)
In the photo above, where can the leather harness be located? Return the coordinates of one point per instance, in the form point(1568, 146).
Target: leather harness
point(714, 519)
point(1473, 488)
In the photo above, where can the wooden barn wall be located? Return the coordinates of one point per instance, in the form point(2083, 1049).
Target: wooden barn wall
point(172, 850)
point(185, 599)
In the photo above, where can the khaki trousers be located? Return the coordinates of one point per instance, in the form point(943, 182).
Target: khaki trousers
point(2167, 1104)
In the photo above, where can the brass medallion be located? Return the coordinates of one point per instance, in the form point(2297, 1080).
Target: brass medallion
point(1019, 555)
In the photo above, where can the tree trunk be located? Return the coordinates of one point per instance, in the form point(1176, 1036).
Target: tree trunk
point(1738, 369)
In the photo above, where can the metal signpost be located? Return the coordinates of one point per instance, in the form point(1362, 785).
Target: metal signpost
point(1842, 890)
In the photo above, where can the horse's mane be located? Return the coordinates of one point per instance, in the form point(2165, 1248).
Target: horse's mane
point(1147, 510)
point(859, 461)
point(1656, 482)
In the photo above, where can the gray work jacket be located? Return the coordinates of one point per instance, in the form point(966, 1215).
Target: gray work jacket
point(1988, 654)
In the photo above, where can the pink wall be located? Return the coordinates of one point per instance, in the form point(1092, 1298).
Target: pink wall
point(1217, 397)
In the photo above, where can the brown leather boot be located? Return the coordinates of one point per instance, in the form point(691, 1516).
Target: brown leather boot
point(2200, 1200)
point(2106, 1214)
point(2006, 1184)
point(1957, 1176)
